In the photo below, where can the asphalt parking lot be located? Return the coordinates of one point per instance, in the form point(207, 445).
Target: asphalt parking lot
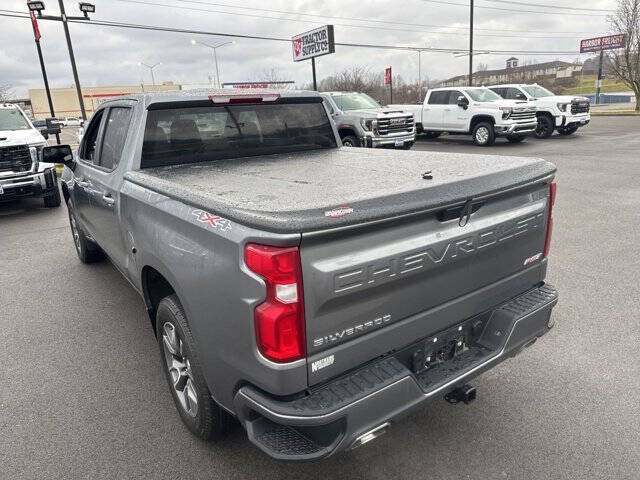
point(83, 395)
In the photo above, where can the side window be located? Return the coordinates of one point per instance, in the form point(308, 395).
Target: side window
point(499, 91)
point(453, 96)
point(440, 97)
point(89, 145)
point(115, 133)
point(515, 94)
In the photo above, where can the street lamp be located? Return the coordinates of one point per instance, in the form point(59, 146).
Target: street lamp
point(215, 56)
point(150, 67)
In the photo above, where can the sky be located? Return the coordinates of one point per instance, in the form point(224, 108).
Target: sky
point(111, 56)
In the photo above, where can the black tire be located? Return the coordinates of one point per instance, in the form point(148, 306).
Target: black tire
point(545, 127)
point(432, 134)
point(483, 134)
point(516, 138)
point(350, 141)
point(88, 251)
point(209, 421)
point(567, 130)
point(407, 146)
point(52, 199)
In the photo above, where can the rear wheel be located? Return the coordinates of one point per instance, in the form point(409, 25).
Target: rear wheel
point(199, 412)
point(349, 141)
point(483, 134)
point(545, 126)
point(88, 252)
point(432, 134)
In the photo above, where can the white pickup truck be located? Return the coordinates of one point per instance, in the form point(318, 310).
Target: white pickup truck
point(475, 111)
point(564, 113)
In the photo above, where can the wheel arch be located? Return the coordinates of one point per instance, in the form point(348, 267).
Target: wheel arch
point(476, 119)
point(346, 131)
point(155, 287)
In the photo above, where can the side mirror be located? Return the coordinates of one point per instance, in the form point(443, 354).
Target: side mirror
point(463, 101)
point(58, 154)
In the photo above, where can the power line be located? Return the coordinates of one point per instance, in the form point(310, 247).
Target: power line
point(196, 9)
point(369, 20)
point(555, 7)
point(288, 40)
point(538, 12)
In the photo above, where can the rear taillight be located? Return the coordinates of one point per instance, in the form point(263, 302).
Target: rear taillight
point(552, 200)
point(279, 320)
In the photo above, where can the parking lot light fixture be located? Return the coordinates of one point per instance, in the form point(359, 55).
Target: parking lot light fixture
point(36, 6)
point(215, 56)
point(150, 67)
point(87, 8)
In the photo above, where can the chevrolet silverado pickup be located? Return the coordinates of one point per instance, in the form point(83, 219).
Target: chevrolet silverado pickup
point(564, 113)
point(315, 293)
point(22, 171)
point(475, 111)
point(362, 122)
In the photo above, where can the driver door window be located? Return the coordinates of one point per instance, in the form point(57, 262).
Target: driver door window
point(90, 139)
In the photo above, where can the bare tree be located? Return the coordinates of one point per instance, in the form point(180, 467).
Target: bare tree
point(626, 64)
point(5, 93)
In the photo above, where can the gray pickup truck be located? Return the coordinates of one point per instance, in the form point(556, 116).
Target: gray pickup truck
point(316, 293)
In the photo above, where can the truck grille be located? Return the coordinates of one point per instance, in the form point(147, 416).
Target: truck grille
point(15, 159)
point(523, 115)
point(580, 107)
point(389, 126)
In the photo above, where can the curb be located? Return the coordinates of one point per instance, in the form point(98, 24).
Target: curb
point(629, 113)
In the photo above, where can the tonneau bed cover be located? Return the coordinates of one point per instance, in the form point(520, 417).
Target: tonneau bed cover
point(297, 192)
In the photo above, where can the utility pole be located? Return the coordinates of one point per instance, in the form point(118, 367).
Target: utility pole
point(86, 9)
point(599, 78)
point(470, 44)
point(36, 35)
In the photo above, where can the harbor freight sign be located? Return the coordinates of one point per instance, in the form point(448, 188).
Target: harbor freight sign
point(602, 43)
point(313, 43)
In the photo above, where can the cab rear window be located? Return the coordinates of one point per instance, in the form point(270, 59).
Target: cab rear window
point(176, 136)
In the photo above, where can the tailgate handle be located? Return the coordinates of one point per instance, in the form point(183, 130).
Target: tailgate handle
point(461, 212)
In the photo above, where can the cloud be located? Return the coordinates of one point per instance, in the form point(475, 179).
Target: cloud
point(108, 55)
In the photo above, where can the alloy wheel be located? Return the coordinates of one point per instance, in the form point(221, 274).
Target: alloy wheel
point(482, 135)
point(179, 369)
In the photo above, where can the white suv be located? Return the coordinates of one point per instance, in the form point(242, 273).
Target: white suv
point(564, 113)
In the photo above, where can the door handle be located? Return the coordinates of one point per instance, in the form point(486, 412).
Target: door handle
point(447, 109)
point(81, 183)
point(108, 200)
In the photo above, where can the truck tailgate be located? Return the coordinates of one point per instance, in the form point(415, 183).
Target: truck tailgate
point(374, 289)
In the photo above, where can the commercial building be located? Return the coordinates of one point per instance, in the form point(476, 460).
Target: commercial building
point(65, 100)
point(518, 73)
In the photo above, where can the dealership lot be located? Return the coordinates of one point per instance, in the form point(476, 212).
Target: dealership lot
point(83, 394)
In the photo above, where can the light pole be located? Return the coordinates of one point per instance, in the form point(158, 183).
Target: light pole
point(151, 67)
point(420, 50)
point(86, 9)
point(471, 44)
point(215, 56)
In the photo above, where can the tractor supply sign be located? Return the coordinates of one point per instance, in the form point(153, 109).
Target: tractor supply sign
point(602, 43)
point(313, 43)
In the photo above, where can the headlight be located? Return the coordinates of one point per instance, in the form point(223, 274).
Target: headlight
point(369, 123)
point(506, 112)
point(562, 107)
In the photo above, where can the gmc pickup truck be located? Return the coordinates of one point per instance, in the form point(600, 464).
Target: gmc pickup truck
point(316, 293)
point(22, 171)
point(362, 122)
point(475, 111)
point(564, 113)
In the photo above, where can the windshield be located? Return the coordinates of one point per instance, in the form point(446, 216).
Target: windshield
point(355, 101)
point(482, 94)
point(537, 91)
point(198, 134)
point(12, 119)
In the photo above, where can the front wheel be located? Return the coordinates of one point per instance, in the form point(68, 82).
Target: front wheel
point(199, 412)
point(567, 130)
point(483, 134)
point(545, 127)
point(88, 252)
point(350, 141)
point(516, 138)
